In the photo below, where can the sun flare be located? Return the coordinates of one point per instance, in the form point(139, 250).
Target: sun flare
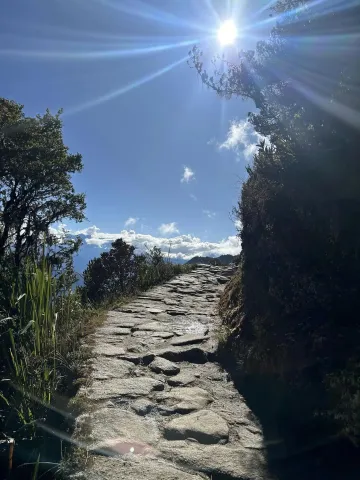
point(227, 33)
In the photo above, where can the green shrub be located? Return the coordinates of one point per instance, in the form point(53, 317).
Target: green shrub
point(120, 272)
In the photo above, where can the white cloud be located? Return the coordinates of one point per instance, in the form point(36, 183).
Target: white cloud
point(238, 224)
point(242, 138)
point(209, 214)
point(130, 221)
point(181, 247)
point(168, 228)
point(187, 175)
point(194, 197)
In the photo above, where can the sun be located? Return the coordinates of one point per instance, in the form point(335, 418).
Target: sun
point(227, 33)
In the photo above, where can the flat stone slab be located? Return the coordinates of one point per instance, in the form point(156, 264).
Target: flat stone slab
point(113, 426)
point(204, 426)
point(149, 327)
point(217, 461)
point(188, 339)
point(181, 380)
point(164, 335)
point(109, 350)
point(127, 387)
point(161, 365)
point(138, 467)
point(154, 310)
point(104, 368)
point(185, 399)
point(113, 331)
point(169, 301)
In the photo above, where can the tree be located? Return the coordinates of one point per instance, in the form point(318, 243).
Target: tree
point(112, 274)
point(297, 314)
point(35, 180)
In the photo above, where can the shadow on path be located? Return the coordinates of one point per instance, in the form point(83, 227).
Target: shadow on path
point(298, 446)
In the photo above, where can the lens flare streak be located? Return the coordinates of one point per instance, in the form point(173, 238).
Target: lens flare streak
point(125, 89)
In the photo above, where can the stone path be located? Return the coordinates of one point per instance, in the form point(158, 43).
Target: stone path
point(162, 408)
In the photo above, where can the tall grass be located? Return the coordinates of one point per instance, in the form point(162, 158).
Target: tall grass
point(43, 332)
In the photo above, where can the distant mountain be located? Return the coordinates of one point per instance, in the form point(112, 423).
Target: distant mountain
point(221, 260)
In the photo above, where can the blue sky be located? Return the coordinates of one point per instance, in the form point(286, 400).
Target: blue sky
point(158, 148)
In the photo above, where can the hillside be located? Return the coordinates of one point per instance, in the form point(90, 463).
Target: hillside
point(221, 260)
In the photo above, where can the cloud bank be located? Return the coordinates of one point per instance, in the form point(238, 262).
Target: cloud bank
point(181, 246)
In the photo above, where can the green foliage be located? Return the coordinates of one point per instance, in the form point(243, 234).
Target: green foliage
point(120, 272)
point(112, 274)
point(299, 297)
point(38, 338)
point(35, 181)
point(41, 318)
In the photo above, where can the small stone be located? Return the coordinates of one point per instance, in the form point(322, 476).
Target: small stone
point(205, 426)
point(161, 365)
point(142, 406)
point(155, 310)
point(182, 379)
point(222, 279)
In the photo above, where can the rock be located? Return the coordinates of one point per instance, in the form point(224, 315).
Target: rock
point(140, 333)
point(169, 301)
point(163, 335)
point(142, 406)
point(112, 427)
point(217, 461)
point(139, 468)
point(176, 311)
point(204, 426)
point(188, 339)
point(108, 350)
point(182, 379)
point(222, 279)
point(184, 400)
point(138, 357)
point(184, 354)
point(106, 331)
point(149, 327)
point(161, 365)
point(155, 310)
point(128, 387)
point(107, 367)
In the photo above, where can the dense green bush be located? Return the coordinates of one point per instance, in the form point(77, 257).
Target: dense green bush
point(297, 314)
point(120, 272)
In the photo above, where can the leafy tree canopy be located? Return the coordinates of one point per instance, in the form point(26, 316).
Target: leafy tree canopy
point(36, 169)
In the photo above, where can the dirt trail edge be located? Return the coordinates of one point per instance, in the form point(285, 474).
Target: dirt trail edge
point(161, 407)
